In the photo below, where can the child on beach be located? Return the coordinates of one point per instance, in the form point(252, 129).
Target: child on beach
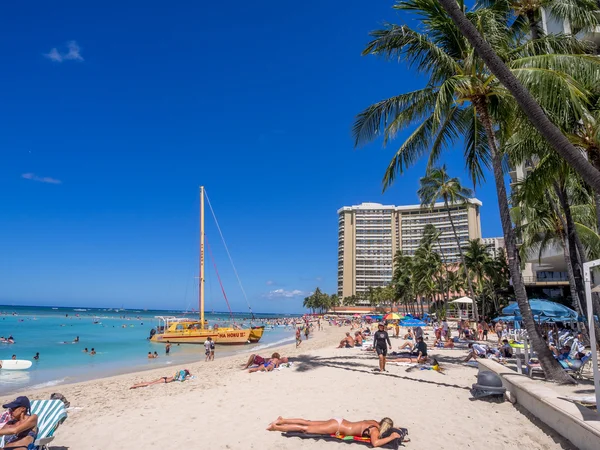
point(298, 337)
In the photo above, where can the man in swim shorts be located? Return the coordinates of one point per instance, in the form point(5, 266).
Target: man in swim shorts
point(381, 340)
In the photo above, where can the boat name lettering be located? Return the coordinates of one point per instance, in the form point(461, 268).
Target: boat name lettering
point(232, 335)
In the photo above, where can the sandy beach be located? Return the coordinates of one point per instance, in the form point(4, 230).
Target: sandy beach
point(227, 408)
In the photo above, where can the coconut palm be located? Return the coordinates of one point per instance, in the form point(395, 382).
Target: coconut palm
point(477, 265)
point(463, 98)
point(521, 93)
point(579, 14)
point(436, 185)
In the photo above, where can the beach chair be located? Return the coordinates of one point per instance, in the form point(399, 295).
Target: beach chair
point(51, 413)
point(577, 371)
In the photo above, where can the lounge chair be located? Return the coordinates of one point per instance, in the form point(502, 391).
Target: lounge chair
point(575, 368)
point(51, 413)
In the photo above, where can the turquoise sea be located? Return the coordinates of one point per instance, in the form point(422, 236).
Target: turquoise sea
point(118, 336)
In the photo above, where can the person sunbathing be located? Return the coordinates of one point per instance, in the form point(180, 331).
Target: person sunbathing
point(358, 339)
point(370, 429)
point(347, 342)
point(257, 360)
point(477, 351)
point(267, 366)
point(21, 430)
point(182, 375)
point(448, 343)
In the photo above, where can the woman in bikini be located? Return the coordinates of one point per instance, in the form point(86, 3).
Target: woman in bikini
point(21, 430)
point(267, 366)
point(177, 377)
point(370, 429)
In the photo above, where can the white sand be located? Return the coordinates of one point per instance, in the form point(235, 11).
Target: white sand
point(227, 408)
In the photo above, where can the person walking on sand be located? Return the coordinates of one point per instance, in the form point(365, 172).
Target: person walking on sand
point(381, 340)
point(298, 337)
point(212, 350)
point(207, 348)
point(306, 331)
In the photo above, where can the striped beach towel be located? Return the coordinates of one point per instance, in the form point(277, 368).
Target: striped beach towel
point(51, 413)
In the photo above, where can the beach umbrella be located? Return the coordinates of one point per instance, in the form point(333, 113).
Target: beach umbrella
point(393, 316)
point(545, 308)
point(413, 323)
point(368, 318)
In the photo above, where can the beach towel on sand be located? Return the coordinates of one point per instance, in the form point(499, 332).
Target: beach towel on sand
point(395, 444)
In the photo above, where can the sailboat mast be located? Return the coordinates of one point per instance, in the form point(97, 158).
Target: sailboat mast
point(201, 278)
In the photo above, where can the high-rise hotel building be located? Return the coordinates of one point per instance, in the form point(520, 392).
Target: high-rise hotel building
point(370, 234)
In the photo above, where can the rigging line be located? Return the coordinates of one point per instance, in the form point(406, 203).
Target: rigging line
point(219, 278)
point(229, 254)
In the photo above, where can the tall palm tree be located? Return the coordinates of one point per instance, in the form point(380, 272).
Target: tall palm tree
point(463, 98)
point(477, 265)
point(436, 185)
point(522, 95)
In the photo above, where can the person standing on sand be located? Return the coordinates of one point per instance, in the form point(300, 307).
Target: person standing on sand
point(207, 348)
point(212, 350)
point(381, 340)
point(306, 331)
point(298, 337)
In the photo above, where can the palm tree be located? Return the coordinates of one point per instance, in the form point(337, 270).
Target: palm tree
point(477, 265)
point(463, 98)
point(435, 185)
point(579, 14)
point(402, 279)
point(528, 104)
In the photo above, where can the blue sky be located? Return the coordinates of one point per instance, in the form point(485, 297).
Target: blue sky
point(114, 113)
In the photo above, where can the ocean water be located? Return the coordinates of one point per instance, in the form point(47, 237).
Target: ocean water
point(119, 338)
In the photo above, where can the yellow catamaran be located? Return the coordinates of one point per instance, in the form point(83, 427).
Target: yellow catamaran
point(182, 330)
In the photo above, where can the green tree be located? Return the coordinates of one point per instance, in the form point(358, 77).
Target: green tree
point(522, 94)
point(464, 98)
point(476, 266)
point(437, 185)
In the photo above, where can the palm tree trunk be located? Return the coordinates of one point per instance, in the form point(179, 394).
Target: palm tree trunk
point(533, 25)
point(577, 293)
point(462, 259)
point(577, 303)
point(577, 256)
point(594, 157)
point(552, 369)
point(523, 97)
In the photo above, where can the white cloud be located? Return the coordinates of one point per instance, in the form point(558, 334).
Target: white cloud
point(34, 177)
point(73, 53)
point(270, 283)
point(282, 293)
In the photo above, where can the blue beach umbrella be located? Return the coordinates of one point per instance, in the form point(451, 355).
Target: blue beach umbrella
point(544, 308)
point(413, 323)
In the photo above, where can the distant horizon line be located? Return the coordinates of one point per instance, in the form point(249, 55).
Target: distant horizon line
point(140, 309)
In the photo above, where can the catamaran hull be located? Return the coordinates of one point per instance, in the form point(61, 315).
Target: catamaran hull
point(226, 337)
point(256, 333)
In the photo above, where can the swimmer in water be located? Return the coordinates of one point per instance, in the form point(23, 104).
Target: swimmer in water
point(155, 355)
point(76, 340)
point(85, 350)
point(150, 355)
point(93, 352)
point(37, 356)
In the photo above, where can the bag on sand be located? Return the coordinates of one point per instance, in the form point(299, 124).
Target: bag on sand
point(62, 398)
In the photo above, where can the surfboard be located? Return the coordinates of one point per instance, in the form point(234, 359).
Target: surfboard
point(16, 364)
